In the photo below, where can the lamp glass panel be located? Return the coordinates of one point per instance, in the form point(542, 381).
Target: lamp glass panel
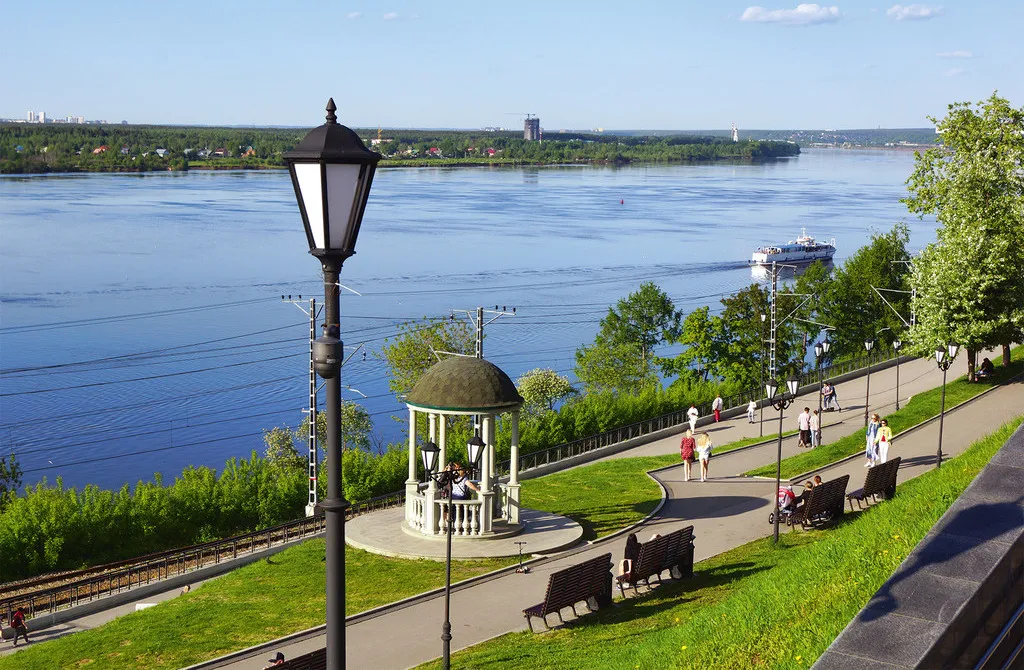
point(953, 349)
point(342, 186)
point(940, 354)
point(897, 344)
point(818, 349)
point(311, 191)
point(474, 448)
point(868, 344)
point(793, 383)
point(770, 388)
point(825, 346)
point(429, 452)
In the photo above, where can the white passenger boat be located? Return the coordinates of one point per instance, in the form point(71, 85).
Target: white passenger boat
point(805, 249)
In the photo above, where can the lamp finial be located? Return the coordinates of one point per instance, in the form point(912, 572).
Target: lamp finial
point(331, 109)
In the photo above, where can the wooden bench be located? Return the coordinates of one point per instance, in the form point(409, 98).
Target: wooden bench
point(824, 502)
point(314, 660)
point(577, 583)
point(666, 552)
point(880, 481)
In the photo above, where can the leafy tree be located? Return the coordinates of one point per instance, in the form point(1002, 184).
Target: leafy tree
point(850, 304)
point(356, 428)
point(10, 478)
point(645, 318)
point(541, 388)
point(969, 285)
point(281, 449)
point(605, 366)
point(412, 352)
point(702, 336)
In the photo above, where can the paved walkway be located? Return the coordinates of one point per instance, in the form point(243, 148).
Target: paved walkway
point(726, 511)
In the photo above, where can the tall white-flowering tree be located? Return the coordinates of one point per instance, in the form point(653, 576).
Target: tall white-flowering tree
point(970, 284)
point(541, 388)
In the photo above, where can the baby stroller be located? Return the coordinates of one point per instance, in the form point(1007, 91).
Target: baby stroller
point(787, 506)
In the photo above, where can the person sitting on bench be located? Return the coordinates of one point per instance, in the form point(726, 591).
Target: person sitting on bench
point(985, 370)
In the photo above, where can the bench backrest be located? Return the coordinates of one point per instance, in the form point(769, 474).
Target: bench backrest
point(314, 660)
point(678, 548)
point(881, 479)
point(576, 583)
point(828, 496)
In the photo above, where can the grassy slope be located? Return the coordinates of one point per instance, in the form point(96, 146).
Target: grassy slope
point(921, 407)
point(751, 607)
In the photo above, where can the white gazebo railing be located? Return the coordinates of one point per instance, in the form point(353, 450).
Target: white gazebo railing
point(427, 513)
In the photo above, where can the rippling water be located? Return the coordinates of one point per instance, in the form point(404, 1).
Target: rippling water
point(142, 326)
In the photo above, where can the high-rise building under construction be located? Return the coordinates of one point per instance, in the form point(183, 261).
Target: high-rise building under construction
point(531, 128)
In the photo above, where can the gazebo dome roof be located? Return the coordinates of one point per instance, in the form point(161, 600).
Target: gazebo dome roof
point(461, 384)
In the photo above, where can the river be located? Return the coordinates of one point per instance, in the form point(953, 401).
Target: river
point(141, 322)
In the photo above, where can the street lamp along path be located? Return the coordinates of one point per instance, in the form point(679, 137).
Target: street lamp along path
point(943, 361)
point(331, 171)
point(780, 403)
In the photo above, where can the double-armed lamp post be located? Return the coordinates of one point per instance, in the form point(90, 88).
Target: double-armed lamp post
point(944, 362)
point(780, 403)
point(820, 349)
point(868, 345)
point(760, 419)
point(445, 479)
point(331, 171)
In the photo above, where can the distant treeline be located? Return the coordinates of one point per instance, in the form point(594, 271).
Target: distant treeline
point(40, 148)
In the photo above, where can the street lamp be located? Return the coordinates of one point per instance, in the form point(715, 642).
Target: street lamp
point(868, 344)
point(783, 401)
point(331, 173)
point(943, 362)
point(896, 344)
point(819, 350)
point(446, 479)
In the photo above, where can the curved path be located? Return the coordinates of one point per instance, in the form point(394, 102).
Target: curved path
point(726, 511)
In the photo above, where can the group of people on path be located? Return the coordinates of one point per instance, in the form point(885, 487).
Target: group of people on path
point(809, 424)
point(878, 439)
point(699, 448)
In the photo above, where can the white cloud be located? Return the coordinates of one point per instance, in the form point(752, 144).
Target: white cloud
point(955, 54)
point(804, 14)
point(391, 16)
point(354, 15)
point(913, 12)
point(954, 72)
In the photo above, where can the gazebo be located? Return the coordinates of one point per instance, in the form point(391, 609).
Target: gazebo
point(457, 386)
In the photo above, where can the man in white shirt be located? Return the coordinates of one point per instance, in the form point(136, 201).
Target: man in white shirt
point(716, 406)
point(804, 423)
point(692, 415)
point(751, 408)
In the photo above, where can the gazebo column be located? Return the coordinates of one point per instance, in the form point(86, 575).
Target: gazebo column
point(486, 493)
point(411, 484)
point(442, 440)
point(512, 509)
point(430, 520)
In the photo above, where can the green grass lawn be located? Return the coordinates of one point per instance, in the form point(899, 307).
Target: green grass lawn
point(251, 605)
point(921, 407)
point(757, 606)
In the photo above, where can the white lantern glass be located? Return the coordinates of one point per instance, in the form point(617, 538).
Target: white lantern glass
point(940, 355)
point(342, 184)
point(770, 387)
point(868, 344)
point(825, 346)
point(793, 383)
point(474, 449)
point(953, 349)
point(429, 452)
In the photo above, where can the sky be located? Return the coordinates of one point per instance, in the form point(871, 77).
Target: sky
point(671, 64)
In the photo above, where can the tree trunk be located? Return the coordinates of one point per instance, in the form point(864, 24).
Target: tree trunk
point(971, 356)
point(1006, 355)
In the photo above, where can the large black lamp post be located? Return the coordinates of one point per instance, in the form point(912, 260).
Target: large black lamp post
point(780, 403)
point(331, 172)
point(446, 479)
point(868, 345)
point(896, 344)
point(820, 350)
point(943, 362)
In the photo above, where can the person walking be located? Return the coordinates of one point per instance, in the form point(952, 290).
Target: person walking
point(815, 429)
point(687, 449)
point(803, 422)
point(883, 440)
point(691, 415)
point(18, 624)
point(716, 406)
point(751, 410)
point(871, 435)
point(704, 454)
